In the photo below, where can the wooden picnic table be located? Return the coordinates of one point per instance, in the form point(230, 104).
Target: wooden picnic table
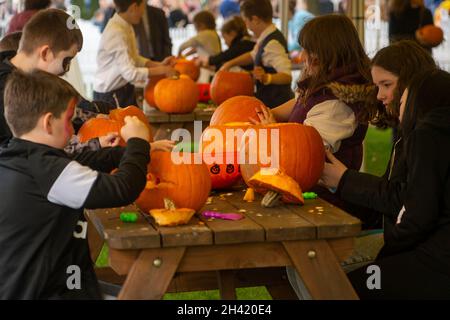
point(312, 238)
point(164, 123)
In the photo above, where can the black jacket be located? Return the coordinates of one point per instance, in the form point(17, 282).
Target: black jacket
point(415, 201)
point(238, 46)
point(42, 226)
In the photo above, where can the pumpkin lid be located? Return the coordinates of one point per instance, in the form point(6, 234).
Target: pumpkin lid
point(277, 180)
point(172, 217)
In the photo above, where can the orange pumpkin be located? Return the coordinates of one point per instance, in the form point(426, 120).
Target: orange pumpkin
point(227, 84)
point(300, 149)
point(176, 95)
point(97, 127)
point(236, 109)
point(187, 185)
point(430, 35)
point(119, 115)
point(188, 67)
point(149, 93)
point(220, 151)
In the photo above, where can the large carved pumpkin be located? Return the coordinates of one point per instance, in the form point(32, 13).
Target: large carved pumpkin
point(176, 95)
point(228, 84)
point(149, 93)
point(220, 149)
point(97, 127)
point(187, 67)
point(187, 185)
point(236, 109)
point(300, 149)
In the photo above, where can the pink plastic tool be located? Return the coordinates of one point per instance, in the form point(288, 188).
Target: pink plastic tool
point(224, 216)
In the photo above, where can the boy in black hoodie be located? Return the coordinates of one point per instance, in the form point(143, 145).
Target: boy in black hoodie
point(43, 240)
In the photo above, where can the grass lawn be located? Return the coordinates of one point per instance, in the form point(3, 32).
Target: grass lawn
point(377, 149)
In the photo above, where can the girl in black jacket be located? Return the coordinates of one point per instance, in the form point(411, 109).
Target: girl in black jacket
point(415, 260)
point(236, 37)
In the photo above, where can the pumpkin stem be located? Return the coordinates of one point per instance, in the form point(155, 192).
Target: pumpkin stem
point(169, 204)
point(270, 199)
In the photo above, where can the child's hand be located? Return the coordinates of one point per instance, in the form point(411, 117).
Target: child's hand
point(202, 61)
point(134, 128)
point(110, 140)
point(162, 145)
point(265, 116)
point(226, 66)
point(332, 172)
point(259, 74)
point(171, 72)
point(169, 61)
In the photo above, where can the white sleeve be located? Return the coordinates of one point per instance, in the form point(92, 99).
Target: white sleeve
point(334, 120)
point(72, 186)
point(275, 56)
point(192, 42)
point(123, 61)
point(142, 61)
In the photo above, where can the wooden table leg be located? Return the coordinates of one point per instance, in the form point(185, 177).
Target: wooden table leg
point(95, 240)
point(151, 273)
point(227, 288)
point(319, 268)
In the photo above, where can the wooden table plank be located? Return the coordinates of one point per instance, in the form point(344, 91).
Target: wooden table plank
point(331, 222)
point(279, 223)
point(194, 233)
point(181, 117)
point(227, 231)
point(156, 116)
point(234, 256)
point(121, 235)
point(203, 115)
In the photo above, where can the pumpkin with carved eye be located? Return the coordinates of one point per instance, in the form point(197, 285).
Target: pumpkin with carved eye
point(220, 150)
point(187, 184)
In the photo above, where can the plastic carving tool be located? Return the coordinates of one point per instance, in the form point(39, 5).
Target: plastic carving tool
point(224, 216)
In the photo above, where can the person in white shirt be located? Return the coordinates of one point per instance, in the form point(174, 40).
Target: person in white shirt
point(272, 70)
point(119, 63)
point(207, 42)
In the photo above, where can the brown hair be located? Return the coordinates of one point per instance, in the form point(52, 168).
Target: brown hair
point(29, 96)
point(237, 25)
point(37, 4)
point(205, 18)
point(334, 41)
point(258, 8)
point(404, 59)
point(52, 27)
point(123, 5)
point(10, 42)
